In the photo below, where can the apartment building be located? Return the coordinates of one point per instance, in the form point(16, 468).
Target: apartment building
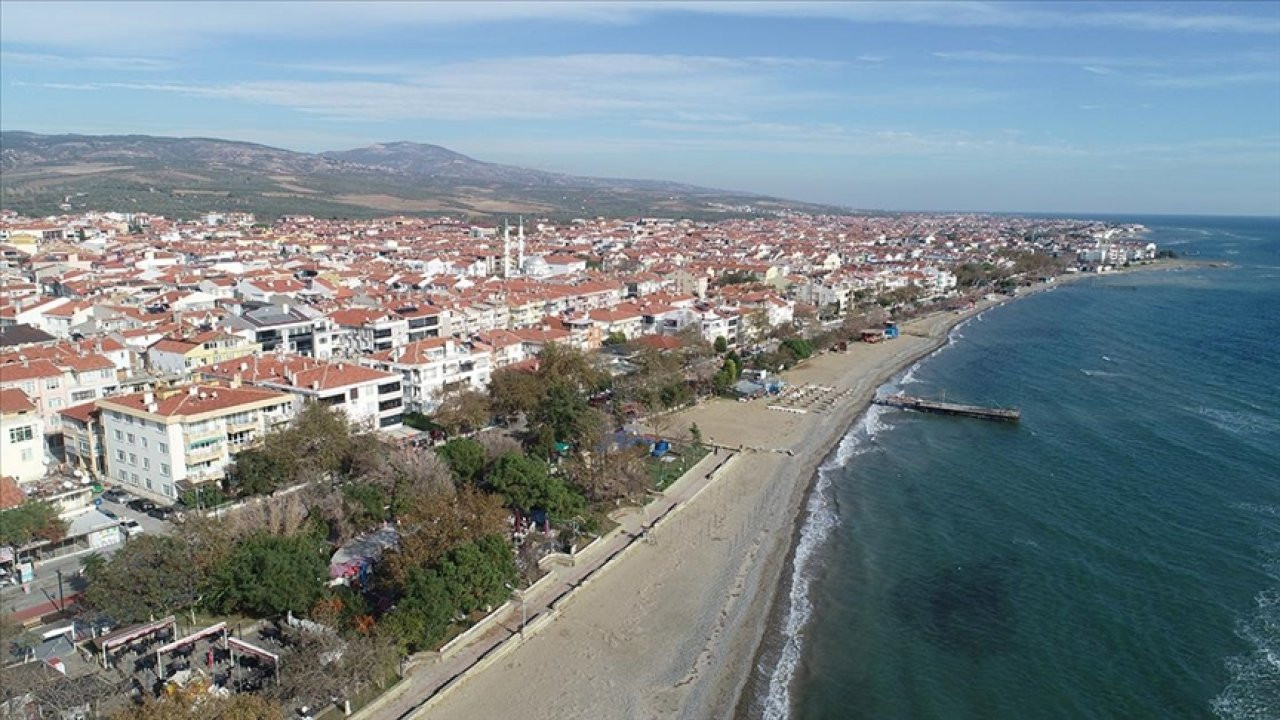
point(175, 355)
point(430, 368)
point(159, 444)
point(290, 328)
point(368, 397)
point(361, 331)
point(21, 437)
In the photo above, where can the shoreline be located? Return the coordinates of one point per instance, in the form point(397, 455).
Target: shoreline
point(677, 628)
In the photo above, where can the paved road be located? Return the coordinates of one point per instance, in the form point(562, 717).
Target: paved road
point(44, 589)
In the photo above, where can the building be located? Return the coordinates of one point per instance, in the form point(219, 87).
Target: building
point(160, 444)
point(289, 328)
point(430, 368)
point(361, 331)
point(21, 437)
point(368, 397)
point(171, 355)
point(82, 442)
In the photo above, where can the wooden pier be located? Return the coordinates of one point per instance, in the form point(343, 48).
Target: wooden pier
point(907, 402)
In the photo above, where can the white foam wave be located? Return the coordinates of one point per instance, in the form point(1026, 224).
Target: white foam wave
point(1239, 422)
point(1253, 692)
point(1099, 373)
point(820, 520)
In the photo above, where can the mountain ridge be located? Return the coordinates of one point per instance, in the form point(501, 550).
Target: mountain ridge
point(45, 174)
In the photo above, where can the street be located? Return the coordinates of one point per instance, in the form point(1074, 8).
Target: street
point(44, 589)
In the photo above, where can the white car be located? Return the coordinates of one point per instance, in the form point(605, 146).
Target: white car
point(131, 527)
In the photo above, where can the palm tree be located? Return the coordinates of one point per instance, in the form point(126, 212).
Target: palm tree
point(92, 563)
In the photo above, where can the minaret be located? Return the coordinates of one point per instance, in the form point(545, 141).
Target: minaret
point(520, 245)
point(506, 249)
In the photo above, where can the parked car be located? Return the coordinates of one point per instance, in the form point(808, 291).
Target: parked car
point(108, 513)
point(163, 513)
point(116, 494)
point(140, 505)
point(131, 527)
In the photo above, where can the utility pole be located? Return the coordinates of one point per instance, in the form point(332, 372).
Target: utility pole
point(62, 600)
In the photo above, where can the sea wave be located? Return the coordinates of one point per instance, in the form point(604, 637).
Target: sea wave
point(821, 519)
point(1239, 422)
point(1253, 693)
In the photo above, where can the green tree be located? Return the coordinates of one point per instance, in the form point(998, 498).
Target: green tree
point(721, 344)
point(270, 574)
point(435, 523)
point(565, 411)
point(472, 576)
point(614, 338)
point(514, 392)
point(527, 486)
point(151, 576)
point(463, 411)
point(32, 520)
point(466, 458)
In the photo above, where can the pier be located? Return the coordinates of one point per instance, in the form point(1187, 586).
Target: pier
point(907, 402)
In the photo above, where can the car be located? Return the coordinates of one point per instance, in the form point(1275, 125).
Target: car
point(162, 513)
point(116, 494)
point(131, 527)
point(108, 513)
point(140, 505)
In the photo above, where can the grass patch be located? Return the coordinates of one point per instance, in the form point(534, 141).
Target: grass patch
point(665, 473)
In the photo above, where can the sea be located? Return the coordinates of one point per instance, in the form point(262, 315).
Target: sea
point(1116, 554)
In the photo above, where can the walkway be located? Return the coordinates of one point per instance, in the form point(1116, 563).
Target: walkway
point(428, 680)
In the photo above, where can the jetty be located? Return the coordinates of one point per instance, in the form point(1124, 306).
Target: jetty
point(906, 402)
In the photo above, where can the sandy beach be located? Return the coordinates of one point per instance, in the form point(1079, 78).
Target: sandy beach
point(671, 630)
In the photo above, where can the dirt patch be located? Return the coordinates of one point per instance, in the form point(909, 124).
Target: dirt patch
point(393, 203)
point(66, 170)
point(295, 188)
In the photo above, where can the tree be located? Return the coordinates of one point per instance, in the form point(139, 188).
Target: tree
point(526, 486)
point(695, 435)
point(608, 475)
point(568, 366)
point(614, 338)
point(463, 411)
point(721, 344)
point(435, 523)
point(471, 577)
point(466, 458)
point(151, 576)
point(514, 392)
point(270, 574)
point(318, 667)
point(566, 413)
point(259, 472)
point(186, 706)
point(32, 520)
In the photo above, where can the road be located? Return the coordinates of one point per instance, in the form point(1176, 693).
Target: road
point(44, 591)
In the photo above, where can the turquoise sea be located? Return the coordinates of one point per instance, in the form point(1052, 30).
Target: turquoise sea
point(1114, 555)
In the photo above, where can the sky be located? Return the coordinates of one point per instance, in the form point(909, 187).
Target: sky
point(1129, 107)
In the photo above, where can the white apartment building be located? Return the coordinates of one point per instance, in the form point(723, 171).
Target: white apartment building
point(430, 368)
point(21, 437)
point(160, 444)
point(363, 331)
point(368, 397)
point(57, 383)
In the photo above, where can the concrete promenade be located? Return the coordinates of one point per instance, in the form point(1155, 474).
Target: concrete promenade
point(428, 678)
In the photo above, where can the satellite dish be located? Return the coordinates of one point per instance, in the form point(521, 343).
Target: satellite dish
point(77, 472)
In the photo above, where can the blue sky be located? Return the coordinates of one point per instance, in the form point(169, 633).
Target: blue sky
point(1072, 107)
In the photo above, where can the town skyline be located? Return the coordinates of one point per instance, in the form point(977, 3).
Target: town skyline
point(1097, 108)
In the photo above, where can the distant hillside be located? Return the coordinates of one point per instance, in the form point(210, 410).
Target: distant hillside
point(179, 177)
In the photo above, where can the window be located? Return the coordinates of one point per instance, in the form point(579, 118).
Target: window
point(146, 463)
point(120, 455)
point(132, 440)
point(144, 442)
point(120, 435)
point(21, 434)
point(355, 393)
point(82, 396)
point(148, 482)
point(123, 476)
point(164, 469)
point(51, 384)
point(134, 476)
point(133, 459)
point(168, 490)
point(55, 403)
point(84, 446)
point(106, 374)
point(29, 386)
point(164, 447)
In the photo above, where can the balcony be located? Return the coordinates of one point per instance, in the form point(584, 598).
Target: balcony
point(204, 454)
point(390, 404)
point(191, 437)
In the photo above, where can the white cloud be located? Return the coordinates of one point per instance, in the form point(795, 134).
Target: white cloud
point(177, 27)
point(1212, 80)
point(545, 87)
point(91, 62)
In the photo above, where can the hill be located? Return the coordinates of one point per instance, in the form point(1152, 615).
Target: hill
point(180, 177)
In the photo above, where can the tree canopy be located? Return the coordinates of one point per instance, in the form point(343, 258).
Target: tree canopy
point(271, 574)
point(32, 520)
